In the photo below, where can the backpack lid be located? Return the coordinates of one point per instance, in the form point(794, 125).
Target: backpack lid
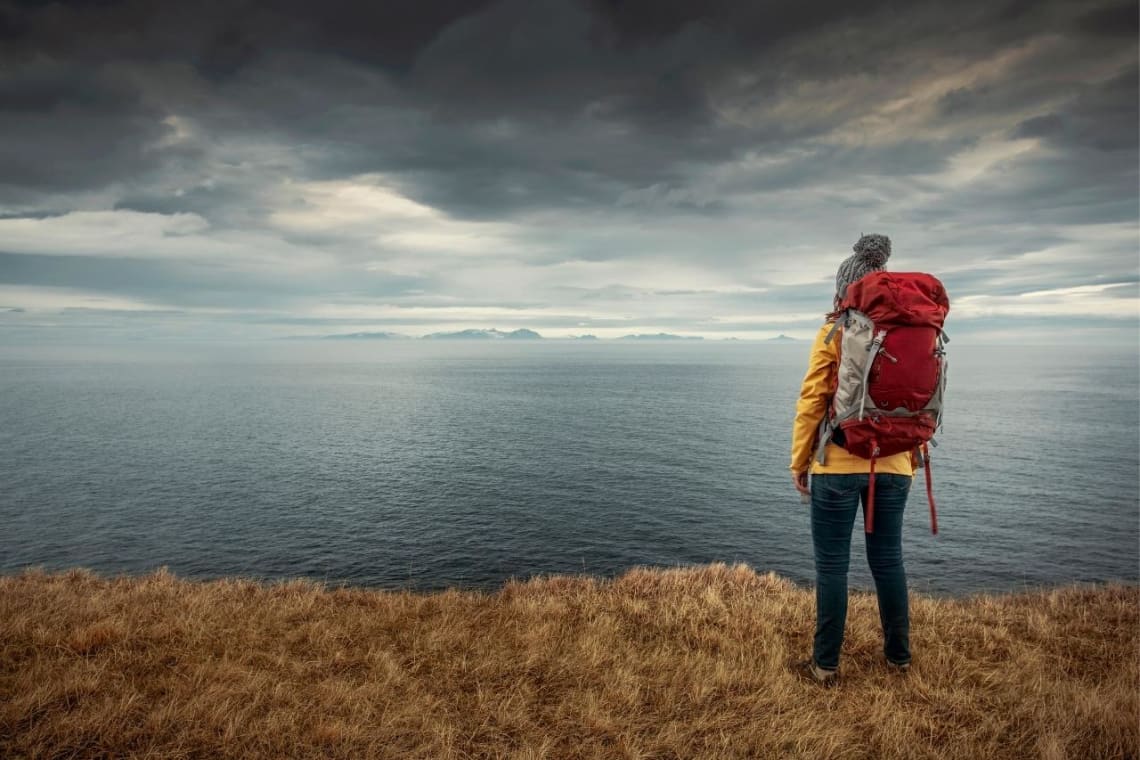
point(899, 298)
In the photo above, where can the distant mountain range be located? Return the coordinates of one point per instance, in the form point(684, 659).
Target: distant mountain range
point(368, 336)
point(660, 336)
point(492, 334)
point(525, 334)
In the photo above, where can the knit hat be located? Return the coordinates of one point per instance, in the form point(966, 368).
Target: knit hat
point(871, 254)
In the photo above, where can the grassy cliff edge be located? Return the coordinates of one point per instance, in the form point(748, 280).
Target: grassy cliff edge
point(677, 663)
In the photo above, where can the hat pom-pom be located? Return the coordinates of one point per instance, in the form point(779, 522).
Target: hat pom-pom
point(874, 249)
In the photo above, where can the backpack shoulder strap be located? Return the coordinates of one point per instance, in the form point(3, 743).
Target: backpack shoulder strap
point(834, 329)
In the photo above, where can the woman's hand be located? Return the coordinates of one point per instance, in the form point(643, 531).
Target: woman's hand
point(800, 480)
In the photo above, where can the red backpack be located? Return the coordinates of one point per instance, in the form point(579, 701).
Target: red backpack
point(892, 372)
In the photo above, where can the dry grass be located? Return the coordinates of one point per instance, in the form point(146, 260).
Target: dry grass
point(686, 663)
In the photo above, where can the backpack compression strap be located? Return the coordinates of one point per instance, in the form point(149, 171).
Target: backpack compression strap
point(929, 489)
point(869, 512)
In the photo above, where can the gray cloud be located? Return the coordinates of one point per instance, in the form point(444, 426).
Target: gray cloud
point(619, 162)
point(184, 284)
point(1102, 117)
point(70, 129)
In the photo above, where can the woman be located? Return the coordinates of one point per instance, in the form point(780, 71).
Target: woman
point(838, 485)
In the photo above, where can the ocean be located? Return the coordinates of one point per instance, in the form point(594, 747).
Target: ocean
point(425, 464)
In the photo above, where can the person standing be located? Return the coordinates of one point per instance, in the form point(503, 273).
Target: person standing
point(838, 484)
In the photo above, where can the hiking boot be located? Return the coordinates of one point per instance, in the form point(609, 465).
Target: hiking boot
point(822, 676)
point(898, 667)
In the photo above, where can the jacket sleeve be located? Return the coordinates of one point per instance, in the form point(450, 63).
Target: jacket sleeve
point(815, 393)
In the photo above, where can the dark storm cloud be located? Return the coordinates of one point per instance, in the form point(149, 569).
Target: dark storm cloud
point(1103, 117)
point(220, 37)
point(475, 106)
point(68, 128)
point(1119, 20)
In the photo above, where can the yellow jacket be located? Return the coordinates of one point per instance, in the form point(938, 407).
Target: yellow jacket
point(815, 394)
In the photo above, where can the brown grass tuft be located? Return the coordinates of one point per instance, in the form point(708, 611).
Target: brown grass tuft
point(89, 639)
point(676, 663)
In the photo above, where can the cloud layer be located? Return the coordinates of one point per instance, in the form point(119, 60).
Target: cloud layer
point(247, 169)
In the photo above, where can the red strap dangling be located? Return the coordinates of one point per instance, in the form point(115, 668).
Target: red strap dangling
point(869, 512)
point(930, 489)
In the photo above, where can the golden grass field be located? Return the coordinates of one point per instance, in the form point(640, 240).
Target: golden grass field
point(681, 663)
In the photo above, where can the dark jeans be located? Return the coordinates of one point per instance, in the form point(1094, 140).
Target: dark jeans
point(834, 505)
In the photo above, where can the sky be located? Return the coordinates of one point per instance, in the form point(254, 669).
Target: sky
point(234, 170)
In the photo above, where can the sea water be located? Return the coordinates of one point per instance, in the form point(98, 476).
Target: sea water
point(423, 464)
